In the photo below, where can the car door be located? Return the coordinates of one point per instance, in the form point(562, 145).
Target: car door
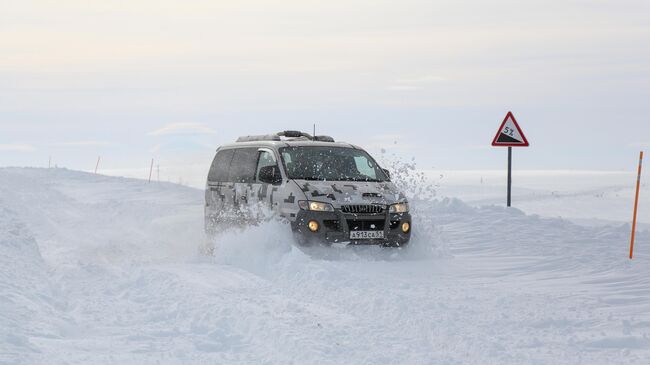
point(283, 196)
point(263, 192)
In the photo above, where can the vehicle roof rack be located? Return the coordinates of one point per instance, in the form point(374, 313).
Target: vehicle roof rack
point(323, 139)
point(267, 137)
point(288, 135)
point(303, 135)
point(295, 134)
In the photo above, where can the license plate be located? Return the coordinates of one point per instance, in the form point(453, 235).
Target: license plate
point(366, 235)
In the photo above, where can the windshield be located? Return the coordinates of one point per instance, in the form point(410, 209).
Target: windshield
point(330, 164)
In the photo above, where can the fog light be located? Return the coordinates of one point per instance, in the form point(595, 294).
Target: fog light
point(313, 226)
point(406, 227)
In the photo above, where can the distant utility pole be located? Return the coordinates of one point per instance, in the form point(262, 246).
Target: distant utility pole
point(49, 162)
point(150, 170)
point(314, 130)
point(97, 165)
point(158, 171)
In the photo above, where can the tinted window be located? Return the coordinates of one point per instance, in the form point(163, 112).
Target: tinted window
point(266, 159)
point(242, 168)
point(220, 165)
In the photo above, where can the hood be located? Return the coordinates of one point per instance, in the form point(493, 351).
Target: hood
point(340, 193)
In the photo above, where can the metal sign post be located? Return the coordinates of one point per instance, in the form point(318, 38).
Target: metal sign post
point(510, 135)
point(509, 175)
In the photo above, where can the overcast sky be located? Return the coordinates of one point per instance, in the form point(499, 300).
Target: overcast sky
point(171, 79)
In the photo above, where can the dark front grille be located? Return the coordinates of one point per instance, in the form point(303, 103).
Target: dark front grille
point(332, 225)
point(363, 209)
point(354, 225)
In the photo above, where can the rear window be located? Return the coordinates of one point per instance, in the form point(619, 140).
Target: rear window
point(243, 165)
point(220, 166)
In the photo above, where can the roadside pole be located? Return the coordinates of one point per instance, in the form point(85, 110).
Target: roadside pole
point(636, 204)
point(150, 170)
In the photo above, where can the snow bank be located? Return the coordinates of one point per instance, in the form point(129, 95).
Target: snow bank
point(26, 292)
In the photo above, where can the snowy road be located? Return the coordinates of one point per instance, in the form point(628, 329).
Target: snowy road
point(105, 270)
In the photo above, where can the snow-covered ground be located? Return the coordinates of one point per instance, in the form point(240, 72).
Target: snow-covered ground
point(106, 270)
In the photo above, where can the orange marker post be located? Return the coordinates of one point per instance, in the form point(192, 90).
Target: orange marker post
point(636, 205)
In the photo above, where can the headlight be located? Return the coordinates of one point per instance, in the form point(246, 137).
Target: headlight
point(315, 206)
point(313, 226)
point(406, 227)
point(399, 208)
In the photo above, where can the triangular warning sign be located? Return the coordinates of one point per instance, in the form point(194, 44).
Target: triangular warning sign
point(510, 134)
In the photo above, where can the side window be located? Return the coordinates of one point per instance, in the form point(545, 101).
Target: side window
point(288, 163)
point(220, 166)
point(266, 159)
point(242, 168)
point(365, 167)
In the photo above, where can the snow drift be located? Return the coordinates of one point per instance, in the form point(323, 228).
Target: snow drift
point(104, 270)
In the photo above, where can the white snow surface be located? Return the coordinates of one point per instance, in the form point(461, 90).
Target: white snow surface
point(106, 270)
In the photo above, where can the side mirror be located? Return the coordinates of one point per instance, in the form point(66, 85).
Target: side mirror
point(270, 175)
point(387, 173)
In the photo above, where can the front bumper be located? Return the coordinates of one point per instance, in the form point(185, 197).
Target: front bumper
point(335, 227)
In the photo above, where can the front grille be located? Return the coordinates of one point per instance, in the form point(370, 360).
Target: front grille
point(363, 209)
point(366, 225)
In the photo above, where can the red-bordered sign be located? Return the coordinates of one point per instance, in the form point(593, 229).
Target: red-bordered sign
point(510, 134)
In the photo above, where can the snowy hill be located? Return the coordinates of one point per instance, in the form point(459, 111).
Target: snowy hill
point(105, 270)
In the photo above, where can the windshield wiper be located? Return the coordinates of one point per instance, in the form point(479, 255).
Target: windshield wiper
point(312, 178)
